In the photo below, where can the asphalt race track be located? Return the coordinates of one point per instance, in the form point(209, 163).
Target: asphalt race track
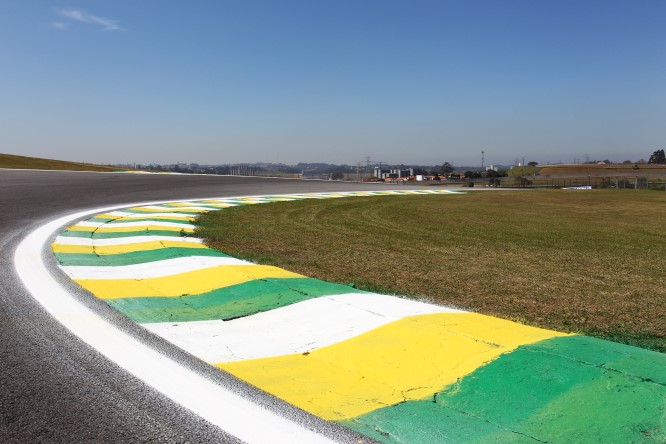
point(53, 387)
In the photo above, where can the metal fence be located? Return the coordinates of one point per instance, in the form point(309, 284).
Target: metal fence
point(617, 182)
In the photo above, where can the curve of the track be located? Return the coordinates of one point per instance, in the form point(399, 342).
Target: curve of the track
point(53, 387)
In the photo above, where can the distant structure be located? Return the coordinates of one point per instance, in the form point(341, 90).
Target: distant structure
point(241, 170)
point(392, 173)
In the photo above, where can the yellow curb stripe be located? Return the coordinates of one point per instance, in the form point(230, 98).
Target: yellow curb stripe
point(183, 204)
point(221, 205)
point(190, 283)
point(410, 359)
point(130, 218)
point(169, 209)
point(119, 249)
point(109, 228)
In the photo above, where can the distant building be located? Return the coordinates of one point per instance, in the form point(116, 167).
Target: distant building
point(241, 170)
point(392, 173)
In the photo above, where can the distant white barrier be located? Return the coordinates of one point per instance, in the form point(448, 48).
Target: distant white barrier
point(586, 187)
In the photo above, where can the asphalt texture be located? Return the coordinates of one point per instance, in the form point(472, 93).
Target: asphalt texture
point(55, 388)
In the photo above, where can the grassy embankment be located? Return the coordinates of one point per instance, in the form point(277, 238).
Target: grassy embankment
point(590, 262)
point(599, 176)
point(610, 169)
point(24, 162)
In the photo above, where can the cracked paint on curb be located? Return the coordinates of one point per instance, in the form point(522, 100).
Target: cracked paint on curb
point(393, 369)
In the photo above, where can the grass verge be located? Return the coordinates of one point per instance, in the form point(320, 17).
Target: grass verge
point(590, 262)
point(24, 162)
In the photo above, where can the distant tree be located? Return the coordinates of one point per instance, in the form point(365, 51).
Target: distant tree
point(524, 182)
point(626, 162)
point(491, 173)
point(532, 164)
point(447, 168)
point(494, 182)
point(658, 157)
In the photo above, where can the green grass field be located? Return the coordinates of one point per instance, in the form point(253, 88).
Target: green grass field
point(592, 262)
point(24, 162)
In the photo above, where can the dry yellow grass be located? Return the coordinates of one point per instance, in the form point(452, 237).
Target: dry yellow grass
point(631, 169)
point(24, 162)
point(583, 261)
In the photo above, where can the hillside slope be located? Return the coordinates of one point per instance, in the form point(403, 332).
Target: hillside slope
point(24, 162)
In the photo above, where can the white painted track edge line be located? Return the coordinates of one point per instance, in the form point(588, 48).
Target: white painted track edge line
point(214, 403)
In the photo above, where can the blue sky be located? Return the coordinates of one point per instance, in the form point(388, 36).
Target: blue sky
point(419, 82)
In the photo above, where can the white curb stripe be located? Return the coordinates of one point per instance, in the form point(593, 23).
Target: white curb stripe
point(214, 205)
point(89, 242)
point(133, 224)
point(170, 208)
point(125, 214)
point(296, 328)
point(166, 267)
point(119, 213)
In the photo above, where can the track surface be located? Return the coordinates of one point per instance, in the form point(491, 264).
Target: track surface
point(54, 388)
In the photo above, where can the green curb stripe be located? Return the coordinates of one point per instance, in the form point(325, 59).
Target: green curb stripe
point(193, 204)
point(112, 235)
point(101, 219)
point(111, 222)
point(426, 422)
point(147, 213)
point(73, 233)
point(229, 302)
point(613, 356)
point(136, 257)
point(235, 203)
point(567, 389)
